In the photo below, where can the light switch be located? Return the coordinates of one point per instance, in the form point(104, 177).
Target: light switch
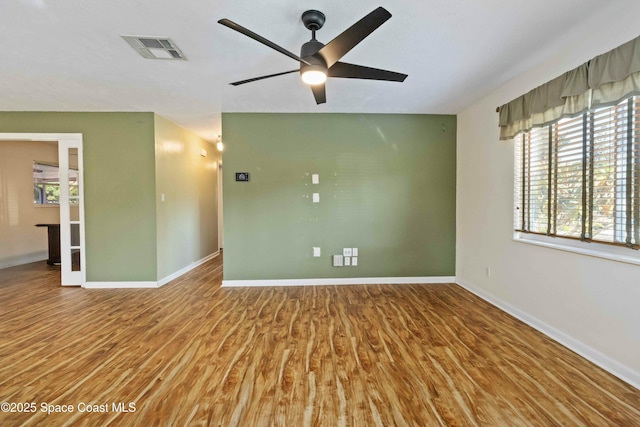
point(315, 178)
point(316, 197)
point(354, 261)
point(347, 261)
point(316, 251)
point(346, 251)
point(354, 251)
point(337, 260)
point(162, 197)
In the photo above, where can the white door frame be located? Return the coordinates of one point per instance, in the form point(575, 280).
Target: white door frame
point(64, 140)
point(220, 219)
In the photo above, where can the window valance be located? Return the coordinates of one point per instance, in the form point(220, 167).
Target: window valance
point(605, 80)
point(616, 74)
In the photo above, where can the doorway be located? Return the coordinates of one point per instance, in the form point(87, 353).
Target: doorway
point(71, 196)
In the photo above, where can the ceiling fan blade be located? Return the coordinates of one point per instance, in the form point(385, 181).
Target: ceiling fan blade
point(319, 93)
point(352, 71)
point(241, 82)
point(258, 38)
point(338, 47)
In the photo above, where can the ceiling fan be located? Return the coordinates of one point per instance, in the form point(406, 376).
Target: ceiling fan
point(319, 61)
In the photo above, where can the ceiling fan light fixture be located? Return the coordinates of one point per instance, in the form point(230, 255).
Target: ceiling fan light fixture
point(314, 75)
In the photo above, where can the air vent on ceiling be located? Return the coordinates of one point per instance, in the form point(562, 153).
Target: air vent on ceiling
point(155, 47)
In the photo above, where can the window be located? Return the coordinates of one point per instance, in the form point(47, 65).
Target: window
point(46, 183)
point(579, 178)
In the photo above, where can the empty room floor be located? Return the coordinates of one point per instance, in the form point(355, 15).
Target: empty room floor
point(193, 353)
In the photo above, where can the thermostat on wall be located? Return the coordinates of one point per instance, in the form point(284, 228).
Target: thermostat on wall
point(242, 176)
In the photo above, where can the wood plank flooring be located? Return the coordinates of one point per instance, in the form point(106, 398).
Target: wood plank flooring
point(193, 353)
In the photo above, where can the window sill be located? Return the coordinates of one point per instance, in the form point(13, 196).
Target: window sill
point(609, 252)
point(50, 205)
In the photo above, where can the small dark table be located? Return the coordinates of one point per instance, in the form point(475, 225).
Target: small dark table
point(54, 243)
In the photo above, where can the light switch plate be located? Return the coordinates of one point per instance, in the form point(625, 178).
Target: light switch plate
point(337, 260)
point(316, 251)
point(354, 251)
point(354, 261)
point(346, 252)
point(347, 261)
point(316, 197)
point(315, 178)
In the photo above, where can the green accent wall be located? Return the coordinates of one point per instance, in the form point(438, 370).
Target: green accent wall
point(387, 186)
point(187, 219)
point(120, 193)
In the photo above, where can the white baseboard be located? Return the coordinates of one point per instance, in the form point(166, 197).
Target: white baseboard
point(150, 284)
point(25, 259)
point(120, 285)
point(612, 366)
point(188, 268)
point(340, 281)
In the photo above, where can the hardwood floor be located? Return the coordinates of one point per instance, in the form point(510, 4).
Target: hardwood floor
point(193, 353)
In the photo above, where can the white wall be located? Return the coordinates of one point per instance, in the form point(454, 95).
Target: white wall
point(20, 241)
point(590, 304)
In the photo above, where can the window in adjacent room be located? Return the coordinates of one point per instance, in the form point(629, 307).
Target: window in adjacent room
point(46, 183)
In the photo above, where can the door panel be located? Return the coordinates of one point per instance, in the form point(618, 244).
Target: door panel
point(71, 213)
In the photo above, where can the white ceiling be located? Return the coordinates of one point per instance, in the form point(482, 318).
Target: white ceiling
point(67, 55)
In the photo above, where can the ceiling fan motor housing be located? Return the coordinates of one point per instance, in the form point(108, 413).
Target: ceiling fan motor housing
point(310, 48)
point(308, 53)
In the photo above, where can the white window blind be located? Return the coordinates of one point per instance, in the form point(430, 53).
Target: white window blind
point(532, 181)
point(580, 177)
point(568, 175)
point(609, 173)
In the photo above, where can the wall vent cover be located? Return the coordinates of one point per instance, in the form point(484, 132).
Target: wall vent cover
point(155, 47)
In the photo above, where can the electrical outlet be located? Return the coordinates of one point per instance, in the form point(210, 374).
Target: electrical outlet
point(346, 252)
point(354, 261)
point(316, 251)
point(354, 251)
point(316, 197)
point(347, 261)
point(315, 178)
point(337, 260)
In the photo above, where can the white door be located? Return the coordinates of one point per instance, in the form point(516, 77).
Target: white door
point(220, 220)
point(72, 252)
